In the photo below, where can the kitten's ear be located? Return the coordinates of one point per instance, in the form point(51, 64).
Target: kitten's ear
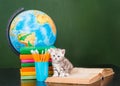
point(50, 50)
point(63, 51)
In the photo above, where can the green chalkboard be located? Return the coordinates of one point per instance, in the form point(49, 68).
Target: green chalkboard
point(89, 30)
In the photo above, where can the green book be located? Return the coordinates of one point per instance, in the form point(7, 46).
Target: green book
point(31, 64)
point(27, 50)
point(27, 64)
point(28, 77)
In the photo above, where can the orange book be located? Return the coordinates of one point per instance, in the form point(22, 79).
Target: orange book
point(30, 69)
point(26, 56)
point(27, 69)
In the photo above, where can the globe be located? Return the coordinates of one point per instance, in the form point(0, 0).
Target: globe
point(32, 28)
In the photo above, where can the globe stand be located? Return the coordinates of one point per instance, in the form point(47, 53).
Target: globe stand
point(8, 28)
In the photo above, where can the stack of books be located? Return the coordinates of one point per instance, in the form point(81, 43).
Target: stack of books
point(27, 70)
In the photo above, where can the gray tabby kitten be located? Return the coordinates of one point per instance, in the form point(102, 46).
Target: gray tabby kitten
point(61, 65)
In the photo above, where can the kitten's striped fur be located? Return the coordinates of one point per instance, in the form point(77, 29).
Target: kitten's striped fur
point(61, 65)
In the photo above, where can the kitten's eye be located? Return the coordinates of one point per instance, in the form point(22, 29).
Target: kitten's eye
point(53, 55)
point(58, 56)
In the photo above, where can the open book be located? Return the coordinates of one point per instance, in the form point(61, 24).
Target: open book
point(83, 76)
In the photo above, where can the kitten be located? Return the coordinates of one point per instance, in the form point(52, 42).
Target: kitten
point(61, 65)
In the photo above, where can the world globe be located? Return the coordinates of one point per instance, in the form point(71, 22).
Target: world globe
point(32, 28)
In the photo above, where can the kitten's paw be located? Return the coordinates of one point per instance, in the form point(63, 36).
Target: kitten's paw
point(62, 75)
point(55, 75)
point(66, 74)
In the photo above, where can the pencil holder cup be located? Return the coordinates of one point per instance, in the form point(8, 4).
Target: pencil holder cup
point(41, 70)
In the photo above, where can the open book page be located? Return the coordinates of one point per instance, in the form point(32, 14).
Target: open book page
point(103, 71)
point(82, 76)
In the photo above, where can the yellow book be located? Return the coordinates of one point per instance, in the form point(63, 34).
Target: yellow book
point(32, 73)
point(83, 76)
point(28, 73)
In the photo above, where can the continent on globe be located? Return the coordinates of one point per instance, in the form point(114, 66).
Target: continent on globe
point(27, 39)
point(42, 19)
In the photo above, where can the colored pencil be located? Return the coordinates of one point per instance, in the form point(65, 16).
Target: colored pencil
point(44, 57)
